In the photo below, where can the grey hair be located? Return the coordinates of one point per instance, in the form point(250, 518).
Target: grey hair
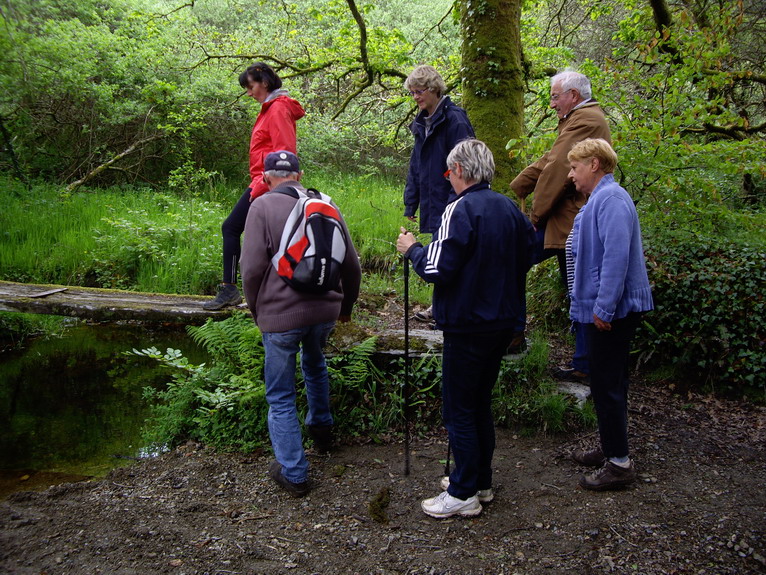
point(571, 80)
point(476, 159)
point(282, 174)
point(426, 77)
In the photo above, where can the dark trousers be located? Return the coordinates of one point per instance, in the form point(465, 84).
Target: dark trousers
point(232, 229)
point(608, 352)
point(470, 366)
point(540, 253)
point(580, 356)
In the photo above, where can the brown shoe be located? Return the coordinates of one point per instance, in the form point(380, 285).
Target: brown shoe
point(589, 458)
point(294, 489)
point(610, 476)
point(565, 374)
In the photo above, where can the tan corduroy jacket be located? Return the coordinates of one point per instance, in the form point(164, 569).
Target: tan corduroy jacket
point(556, 202)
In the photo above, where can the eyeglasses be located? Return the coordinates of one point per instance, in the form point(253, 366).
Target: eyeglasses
point(555, 97)
point(414, 93)
point(447, 174)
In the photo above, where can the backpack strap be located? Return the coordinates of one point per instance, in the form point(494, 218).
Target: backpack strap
point(288, 191)
point(312, 193)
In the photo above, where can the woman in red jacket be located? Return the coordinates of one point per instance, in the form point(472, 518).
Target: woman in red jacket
point(274, 130)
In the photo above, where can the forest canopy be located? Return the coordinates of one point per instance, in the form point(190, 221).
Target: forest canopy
point(145, 91)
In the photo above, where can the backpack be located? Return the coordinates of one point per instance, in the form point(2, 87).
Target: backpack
point(313, 245)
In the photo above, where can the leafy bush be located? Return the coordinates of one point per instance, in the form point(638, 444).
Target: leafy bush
point(525, 399)
point(709, 321)
point(224, 404)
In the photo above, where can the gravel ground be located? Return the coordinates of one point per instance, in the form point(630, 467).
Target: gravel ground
point(699, 507)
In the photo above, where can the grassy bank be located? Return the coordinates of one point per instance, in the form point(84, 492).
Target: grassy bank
point(140, 239)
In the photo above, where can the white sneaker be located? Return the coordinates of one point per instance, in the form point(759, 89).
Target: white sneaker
point(483, 495)
point(444, 505)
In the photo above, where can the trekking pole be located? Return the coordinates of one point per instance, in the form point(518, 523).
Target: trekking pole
point(407, 390)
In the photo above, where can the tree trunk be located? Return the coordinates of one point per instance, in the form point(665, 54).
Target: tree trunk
point(492, 75)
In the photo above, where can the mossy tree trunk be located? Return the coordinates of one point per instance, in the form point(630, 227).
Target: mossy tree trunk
point(492, 76)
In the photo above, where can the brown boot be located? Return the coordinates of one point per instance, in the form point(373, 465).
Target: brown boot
point(610, 476)
point(590, 458)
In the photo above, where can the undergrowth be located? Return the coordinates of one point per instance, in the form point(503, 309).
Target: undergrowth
point(223, 404)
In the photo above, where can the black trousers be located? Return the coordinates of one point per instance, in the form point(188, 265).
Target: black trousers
point(608, 354)
point(232, 229)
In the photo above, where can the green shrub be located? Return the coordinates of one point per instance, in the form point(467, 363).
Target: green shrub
point(709, 321)
point(223, 404)
point(525, 399)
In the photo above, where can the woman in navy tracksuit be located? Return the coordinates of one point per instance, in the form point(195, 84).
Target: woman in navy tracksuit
point(478, 263)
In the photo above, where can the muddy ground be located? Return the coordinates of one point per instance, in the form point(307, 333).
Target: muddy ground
point(699, 507)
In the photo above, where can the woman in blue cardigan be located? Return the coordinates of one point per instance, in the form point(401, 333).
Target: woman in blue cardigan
point(609, 294)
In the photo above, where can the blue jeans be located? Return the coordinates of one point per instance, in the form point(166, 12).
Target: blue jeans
point(279, 373)
point(470, 365)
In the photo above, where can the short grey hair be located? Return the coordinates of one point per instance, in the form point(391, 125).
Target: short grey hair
point(476, 159)
point(282, 174)
point(571, 80)
point(426, 77)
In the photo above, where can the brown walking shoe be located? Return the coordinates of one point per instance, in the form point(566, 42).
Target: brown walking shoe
point(590, 458)
point(610, 476)
point(295, 489)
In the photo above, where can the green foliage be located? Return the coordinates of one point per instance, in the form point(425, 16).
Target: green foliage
point(128, 239)
point(710, 316)
point(547, 306)
point(525, 399)
point(17, 328)
point(223, 405)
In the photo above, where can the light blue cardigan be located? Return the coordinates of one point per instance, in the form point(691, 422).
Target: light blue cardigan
point(610, 278)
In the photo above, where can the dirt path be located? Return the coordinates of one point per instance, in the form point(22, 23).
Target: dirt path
point(699, 508)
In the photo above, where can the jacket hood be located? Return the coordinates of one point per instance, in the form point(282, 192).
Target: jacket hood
point(280, 98)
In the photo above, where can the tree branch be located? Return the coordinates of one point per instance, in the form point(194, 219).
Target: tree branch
point(96, 171)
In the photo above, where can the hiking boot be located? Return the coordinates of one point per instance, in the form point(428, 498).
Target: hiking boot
point(610, 476)
point(565, 374)
point(426, 316)
point(321, 435)
point(483, 495)
point(295, 489)
point(228, 294)
point(590, 458)
point(517, 348)
point(444, 505)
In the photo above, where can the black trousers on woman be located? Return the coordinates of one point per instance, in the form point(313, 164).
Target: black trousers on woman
point(608, 354)
point(232, 229)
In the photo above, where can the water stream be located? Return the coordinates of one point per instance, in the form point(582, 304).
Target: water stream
point(71, 407)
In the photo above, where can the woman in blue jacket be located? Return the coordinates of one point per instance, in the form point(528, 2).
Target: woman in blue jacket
point(478, 263)
point(439, 125)
point(610, 292)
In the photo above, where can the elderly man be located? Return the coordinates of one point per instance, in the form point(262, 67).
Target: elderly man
point(478, 263)
point(556, 200)
point(292, 320)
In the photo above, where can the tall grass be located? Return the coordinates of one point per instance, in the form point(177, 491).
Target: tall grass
point(145, 240)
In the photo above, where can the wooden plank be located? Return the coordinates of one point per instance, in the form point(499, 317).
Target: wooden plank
point(49, 292)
